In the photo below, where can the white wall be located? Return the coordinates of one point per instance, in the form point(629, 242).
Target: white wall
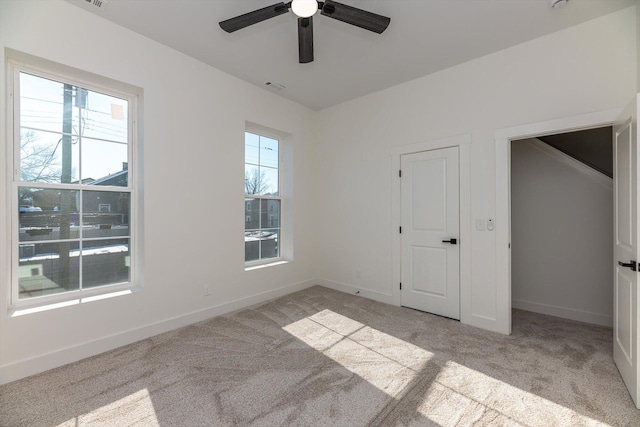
point(194, 120)
point(587, 68)
point(561, 235)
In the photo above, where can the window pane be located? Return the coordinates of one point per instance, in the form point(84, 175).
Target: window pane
point(269, 243)
point(104, 117)
point(251, 214)
point(48, 157)
point(270, 213)
point(253, 181)
point(105, 214)
point(39, 88)
point(251, 148)
point(104, 163)
point(251, 248)
point(47, 268)
point(105, 262)
point(47, 214)
point(269, 181)
point(42, 105)
point(268, 152)
point(261, 244)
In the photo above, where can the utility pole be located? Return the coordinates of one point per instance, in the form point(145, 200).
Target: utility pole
point(65, 195)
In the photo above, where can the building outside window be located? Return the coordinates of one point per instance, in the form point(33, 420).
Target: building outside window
point(262, 177)
point(72, 228)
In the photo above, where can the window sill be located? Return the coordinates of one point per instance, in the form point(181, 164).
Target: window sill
point(31, 309)
point(268, 264)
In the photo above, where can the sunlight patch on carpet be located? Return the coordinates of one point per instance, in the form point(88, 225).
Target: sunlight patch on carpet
point(136, 408)
point(460, 395)
point(386, 362)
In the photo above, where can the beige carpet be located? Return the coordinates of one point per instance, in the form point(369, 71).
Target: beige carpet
point(325, 358)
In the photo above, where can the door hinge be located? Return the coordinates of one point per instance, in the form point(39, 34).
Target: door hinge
point(400, 173)
point(400, 231)
point(400, 285)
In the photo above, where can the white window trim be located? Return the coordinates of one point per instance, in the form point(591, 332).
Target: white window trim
point(285, 192)
point(18, 62)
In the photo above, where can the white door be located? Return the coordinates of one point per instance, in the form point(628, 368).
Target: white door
point(625, 258)
point(430, 272)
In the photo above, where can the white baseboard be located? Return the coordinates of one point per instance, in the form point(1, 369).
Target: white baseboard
point(44, 362)
point(354, 290)
point(564, 312)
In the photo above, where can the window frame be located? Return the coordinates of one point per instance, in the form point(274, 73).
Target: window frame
point(18, 63)
point(282, 192)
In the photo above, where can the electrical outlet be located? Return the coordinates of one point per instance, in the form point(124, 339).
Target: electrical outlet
point(207, 290)
point(358, 274)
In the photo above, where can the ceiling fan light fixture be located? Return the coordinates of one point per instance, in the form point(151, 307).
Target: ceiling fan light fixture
point(304, 8)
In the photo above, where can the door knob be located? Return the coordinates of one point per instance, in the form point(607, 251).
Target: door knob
point(631, 265)
point(452, 241)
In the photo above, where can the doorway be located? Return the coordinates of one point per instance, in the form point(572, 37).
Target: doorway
point(562, 225)
point(626, 207)
point(503, 138)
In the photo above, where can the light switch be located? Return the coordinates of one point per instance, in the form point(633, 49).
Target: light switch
point(480, 224)
point(490, 224)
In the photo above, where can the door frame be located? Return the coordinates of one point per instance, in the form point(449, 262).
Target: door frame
point(502, 144)
point(463, 142)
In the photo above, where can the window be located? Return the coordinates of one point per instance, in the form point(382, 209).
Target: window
point(262, 183)
point(72, 188)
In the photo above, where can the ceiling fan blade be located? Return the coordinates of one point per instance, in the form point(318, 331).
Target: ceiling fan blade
point(354, 16)
point(305, 40)
point(242, 21)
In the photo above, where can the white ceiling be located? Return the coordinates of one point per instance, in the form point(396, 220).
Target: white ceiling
point(424, 36)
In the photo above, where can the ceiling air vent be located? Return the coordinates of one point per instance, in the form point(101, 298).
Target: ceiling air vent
point(276, 86)
point(100, 4)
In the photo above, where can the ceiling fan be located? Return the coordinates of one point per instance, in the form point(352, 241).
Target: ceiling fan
point(304, 10)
